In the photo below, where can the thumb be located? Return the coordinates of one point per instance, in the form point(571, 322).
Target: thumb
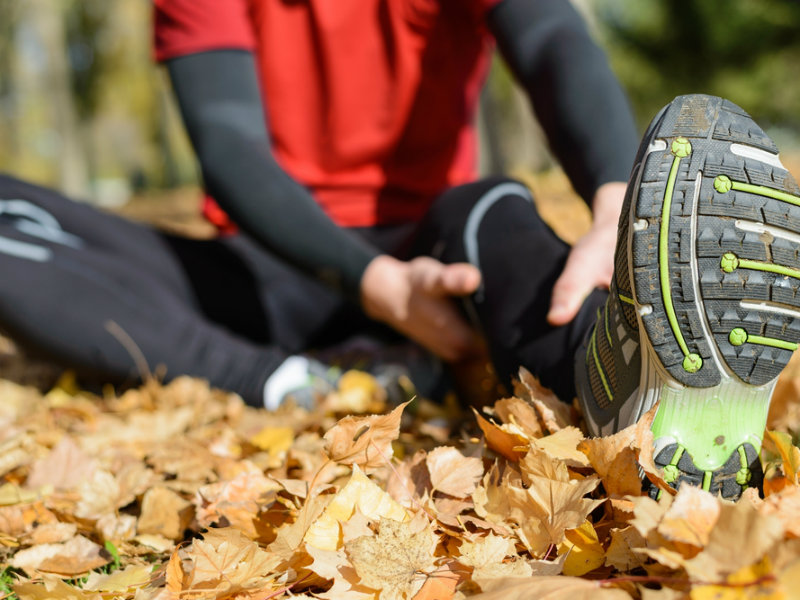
point(460, 279)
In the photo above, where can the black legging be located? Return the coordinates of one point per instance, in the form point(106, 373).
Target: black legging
point(230, 312)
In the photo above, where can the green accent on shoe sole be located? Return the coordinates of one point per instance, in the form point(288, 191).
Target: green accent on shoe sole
point(730, 262)
point(663, 260)
point(681, 147)
point(723, 184)
point(625, 299)
point(773, 342)
point(692, 363)
point(743, 475)
point(605, 323)
point(598, 366)
point(671, 473)
point(707, 480)
point(711, 423)
point(739, 336)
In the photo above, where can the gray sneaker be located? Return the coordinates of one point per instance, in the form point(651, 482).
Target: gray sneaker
point(704, 309)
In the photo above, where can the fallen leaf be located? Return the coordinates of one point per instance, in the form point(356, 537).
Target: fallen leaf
point(65, 467)
point(132, 576)
point(621, 553)
point(553, 413)
point(364, 441)
point(506, 443)
point(781, 444)
point(753, 581)
point(358, 493)
point(453, 473)
point(74, 557)
point(396, 561)
point(164, 513)
point(550, 588)
point(563, 444)
point(487, 556)
point(226, 562)
point(274, 440)
point(441, 584)
point(614, 458)
point(518, 412)
point(690, 518)
point(585, 553)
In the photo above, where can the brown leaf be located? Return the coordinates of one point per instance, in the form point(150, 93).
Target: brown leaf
point(563, 445)
point(506, 443)
point(621, 551)
point(395, 561)
point(441, 584)
point(164, 513)
point(554, 502)
point(364, 441)
point(75, 557)
point(226, 562)
point(690, 518)
point(66, 467)
point(741, 537)
point(516, 411)
point(553, 414)
point(614, 458)
point(551, 588)
point(453, 473)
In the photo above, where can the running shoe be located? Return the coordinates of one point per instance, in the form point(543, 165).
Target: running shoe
point(704, 308)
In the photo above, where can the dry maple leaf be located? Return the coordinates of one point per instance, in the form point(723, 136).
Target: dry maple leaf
point(690, 518)
point(453, 473)
point(553, 414)
point(563, 445)
point(503, 439)
point(518, 412)
point(66, 467)
point(223, 564)
point(395, 561)
point(364, 441)
point(741, 537)
point(360, 493)
point(487, 556)
point(164, 513)
point(584, 551)
point(554, 502)
point(621, 551)
point(74, 557)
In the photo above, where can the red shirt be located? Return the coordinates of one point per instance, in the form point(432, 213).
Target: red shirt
point(370, 102)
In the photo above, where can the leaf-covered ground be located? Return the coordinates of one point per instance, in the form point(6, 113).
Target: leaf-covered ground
point(179, 491)
point(182, 492)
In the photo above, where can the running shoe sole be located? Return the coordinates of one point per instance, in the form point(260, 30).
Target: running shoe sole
point(714, 247)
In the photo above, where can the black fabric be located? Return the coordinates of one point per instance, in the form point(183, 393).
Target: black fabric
point(223, 110)
point(228, 311)
point(576, 97)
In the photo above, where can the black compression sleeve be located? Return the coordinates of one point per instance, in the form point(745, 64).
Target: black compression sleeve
point(221, 104)
point(576, 97)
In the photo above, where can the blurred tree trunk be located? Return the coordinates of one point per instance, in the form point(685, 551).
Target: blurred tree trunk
point(46, 18)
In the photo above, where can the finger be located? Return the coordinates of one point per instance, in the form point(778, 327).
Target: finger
point(438, 279)
point(569, 292)
point(460, 279)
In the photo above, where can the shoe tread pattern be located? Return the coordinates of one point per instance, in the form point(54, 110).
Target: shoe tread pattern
point(711, 125)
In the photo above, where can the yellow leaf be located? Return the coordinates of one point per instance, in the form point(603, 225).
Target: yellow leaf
point(132, 576)
point(359, 492)
point(748, 583)
point(781, 444)
point(585, 550)
point(274, 440)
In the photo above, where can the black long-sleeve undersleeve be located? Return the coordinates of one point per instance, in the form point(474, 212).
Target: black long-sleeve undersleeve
point(577, 99)
point(221, 104)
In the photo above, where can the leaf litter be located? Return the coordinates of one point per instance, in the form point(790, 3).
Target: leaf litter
point(180, 491)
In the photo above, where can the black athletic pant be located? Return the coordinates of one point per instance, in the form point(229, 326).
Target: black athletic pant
point(230, 312)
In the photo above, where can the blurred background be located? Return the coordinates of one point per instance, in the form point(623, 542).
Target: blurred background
point(84, 109)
